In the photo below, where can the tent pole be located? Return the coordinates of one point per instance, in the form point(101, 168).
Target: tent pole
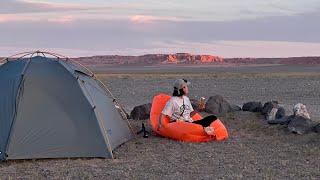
point(16, 103)
point(120, 107)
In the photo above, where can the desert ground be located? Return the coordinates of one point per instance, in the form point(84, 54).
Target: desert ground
point(255, 150)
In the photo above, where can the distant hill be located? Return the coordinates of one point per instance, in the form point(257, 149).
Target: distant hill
point(189, 59)
point(289, 60)
point(150, 59)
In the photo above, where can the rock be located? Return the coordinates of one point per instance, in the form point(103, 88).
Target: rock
point(272, 111)
point(280, 113)
point(301, 110)
point(283, 121)
point(141, 112)
point(317, 128)
point(267, 107)
point(235, 107)
point(272, 114)
point(252, 106)
point(301, 125)
point(217, 105)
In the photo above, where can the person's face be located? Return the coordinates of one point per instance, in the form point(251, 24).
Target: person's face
point(185, 90)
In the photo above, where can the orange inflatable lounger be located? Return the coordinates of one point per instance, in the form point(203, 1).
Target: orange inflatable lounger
point(183, 131)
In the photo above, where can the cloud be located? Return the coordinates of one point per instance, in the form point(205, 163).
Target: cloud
point(61, 19)
point(17, 18)
point(7, 18)
point(27, 6)
point(141, 19)
point(142, 11)
point(126, 31)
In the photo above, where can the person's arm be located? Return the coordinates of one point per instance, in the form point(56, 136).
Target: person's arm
point(161, 117)
point(167, 111)
point(193, 113)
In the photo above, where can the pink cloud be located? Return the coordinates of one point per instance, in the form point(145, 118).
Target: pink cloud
point(51, 5)
point(5, 18)
point(13, 18)
point(62, 19)
point(143, 19)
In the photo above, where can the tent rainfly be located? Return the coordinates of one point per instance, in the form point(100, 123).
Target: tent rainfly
point(56, 108)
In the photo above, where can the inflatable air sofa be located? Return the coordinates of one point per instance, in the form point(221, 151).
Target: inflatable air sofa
point(183, 131)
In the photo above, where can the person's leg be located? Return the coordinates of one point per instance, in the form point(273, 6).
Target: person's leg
point(205, 122)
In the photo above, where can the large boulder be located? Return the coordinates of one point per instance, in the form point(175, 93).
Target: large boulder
point(235, 107)
point(301, 110)
point(301, 125)
point(283, 121)
point(281, 113)
point(217, 105)
point(272, 111)
point(268, 106)
point(317, 128)
point(141, 112)
point(252, 106)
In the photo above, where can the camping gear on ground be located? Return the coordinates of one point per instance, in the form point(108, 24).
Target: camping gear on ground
point(56, 108)
point(144, 131)
point(183, 131)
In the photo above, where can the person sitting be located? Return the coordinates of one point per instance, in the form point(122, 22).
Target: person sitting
point(179, 108)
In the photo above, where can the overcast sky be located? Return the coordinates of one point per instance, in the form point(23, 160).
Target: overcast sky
point(229, 28)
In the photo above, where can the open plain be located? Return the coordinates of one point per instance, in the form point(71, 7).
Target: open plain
point(255, 150)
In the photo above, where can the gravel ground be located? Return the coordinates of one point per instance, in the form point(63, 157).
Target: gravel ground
point(237, 88)
point(255, 150)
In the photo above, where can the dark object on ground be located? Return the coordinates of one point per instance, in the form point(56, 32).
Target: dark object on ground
point(217, 105)
point(283, 121)
point(141, 112)
point(144, 131)
point(317, 128)
point(252, 106)
point(272, 111)
point(301, 125)
point(281, 113)
point(235, 107)
point(267, 107)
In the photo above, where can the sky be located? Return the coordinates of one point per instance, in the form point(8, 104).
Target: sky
point(229, 28)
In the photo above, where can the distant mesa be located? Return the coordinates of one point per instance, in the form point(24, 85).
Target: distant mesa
point(151, 59)
point(186, 58)
point(190, 59)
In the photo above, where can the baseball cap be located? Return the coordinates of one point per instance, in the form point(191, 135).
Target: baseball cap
point(179, 83)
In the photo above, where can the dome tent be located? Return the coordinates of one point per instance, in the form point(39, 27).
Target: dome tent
point(55, 108)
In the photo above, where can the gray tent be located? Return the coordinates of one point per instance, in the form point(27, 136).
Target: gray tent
point(53, 108)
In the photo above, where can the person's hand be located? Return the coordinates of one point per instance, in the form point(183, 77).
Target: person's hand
point(179, 120)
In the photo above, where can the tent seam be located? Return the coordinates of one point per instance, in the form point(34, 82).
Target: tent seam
point(101, 124)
